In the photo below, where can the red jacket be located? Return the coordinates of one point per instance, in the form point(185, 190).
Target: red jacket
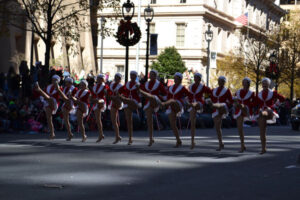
point(178, 92)
point(114, 88)
point(247, 98)
point(221, 95)
point(267, 98)
point(52, 92)
point(196, 92)
point(130, 91)
point(155, 88)
point(72, 89)
point(98, 91)
point(112, 91)
point(83, 95)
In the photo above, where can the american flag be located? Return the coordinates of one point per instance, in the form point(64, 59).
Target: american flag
point(243, 19)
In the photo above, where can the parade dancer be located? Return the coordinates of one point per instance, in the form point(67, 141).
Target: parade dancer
point(154, 91)
point(220, 97)
point(50, 99)
point(68, 105)
point(131, 100)
point(98, 98)
point(196, 102)
point(81, 100)
point(266, 100)
point(243, 103)
point(115, 104)
point(175, 102)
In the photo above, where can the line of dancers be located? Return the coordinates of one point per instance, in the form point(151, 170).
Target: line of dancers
point(116, 96)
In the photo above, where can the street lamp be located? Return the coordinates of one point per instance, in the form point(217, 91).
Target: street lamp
point(208, 37)
point(127, 13)
point(102, 22)
point(148, 14)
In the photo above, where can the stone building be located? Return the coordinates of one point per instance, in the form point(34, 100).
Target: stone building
point(179, 23)
point(182, 23)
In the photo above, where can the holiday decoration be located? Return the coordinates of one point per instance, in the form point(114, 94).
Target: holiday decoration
point(128, 33)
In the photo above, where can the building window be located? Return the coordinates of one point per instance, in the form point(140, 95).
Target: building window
point(180, 33)
point(152, 28)
point(120, 69)
point(153, 1)
point(290, 2)
point(182, 1)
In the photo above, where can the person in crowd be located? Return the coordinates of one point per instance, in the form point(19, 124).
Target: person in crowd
point(266, 100)
point(99, 92)
point(81, 100)
point(154, 92)
point(50, 99)
point(243, 103)
point(220, 98)
point(196, 102)
point(68, 105)
point(131, 101)
point(174, 104)
point(115, 104)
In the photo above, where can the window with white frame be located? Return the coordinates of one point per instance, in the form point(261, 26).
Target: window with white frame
point(153, 1)
point(120, 69)
point(182, 1)
point(180, 34)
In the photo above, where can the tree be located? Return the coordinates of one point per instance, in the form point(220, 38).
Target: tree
point(232, 66)
point(51, 19)
point(291, 49)
point(255, 50)
point(169, 62)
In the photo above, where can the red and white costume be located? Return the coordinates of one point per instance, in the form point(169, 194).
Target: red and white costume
point(266, 99)
point(178, 93)
point(131, 92)
point(223, 96)
point(157, 89)
point(83, 96)
point(196, 94)
point(53, 93)
point(98, 93)
point(113, 89)
point(247, 98)
point(70, 90)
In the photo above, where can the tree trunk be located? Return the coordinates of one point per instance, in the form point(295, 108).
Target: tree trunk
point(292, 82)
point(47, 52)
point(257, 78)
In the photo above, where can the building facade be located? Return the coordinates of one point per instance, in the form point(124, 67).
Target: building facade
point(179, 23)
point(182, 23)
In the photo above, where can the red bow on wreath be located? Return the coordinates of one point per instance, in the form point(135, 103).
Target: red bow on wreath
point(126, 26)
point(273, 67)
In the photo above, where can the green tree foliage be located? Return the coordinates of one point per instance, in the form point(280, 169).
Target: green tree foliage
point(286, 44)
point(169, 62)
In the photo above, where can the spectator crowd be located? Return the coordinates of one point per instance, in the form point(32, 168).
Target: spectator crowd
point(22, 110)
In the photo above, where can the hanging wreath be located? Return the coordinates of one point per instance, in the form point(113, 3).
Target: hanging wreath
point(134, 33)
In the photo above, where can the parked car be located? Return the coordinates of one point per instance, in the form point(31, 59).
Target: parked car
point(295, 117)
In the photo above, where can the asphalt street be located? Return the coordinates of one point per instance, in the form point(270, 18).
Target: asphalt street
point(33, 167)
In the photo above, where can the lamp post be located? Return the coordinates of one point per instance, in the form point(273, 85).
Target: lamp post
point(148, 14)
point(208, 37)
point(127, 13)
point(102, 22)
